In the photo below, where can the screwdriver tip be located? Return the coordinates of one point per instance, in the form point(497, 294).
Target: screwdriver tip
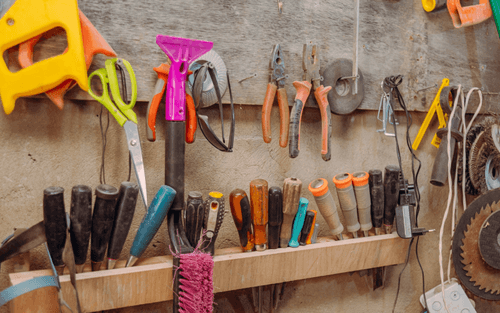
point(79, 267)
point(340, 237)
point(131, 261)
point(60, 270)
point(111, 264)
point(377, 230)
point(388, 229)
point(354, 234)
point(96, 266)
point(261, 247)
point(365, 233)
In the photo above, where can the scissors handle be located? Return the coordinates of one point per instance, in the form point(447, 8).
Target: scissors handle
point(115, 87)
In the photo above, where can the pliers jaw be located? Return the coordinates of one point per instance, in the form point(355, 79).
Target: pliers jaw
point(277, 67)
point(311, 65)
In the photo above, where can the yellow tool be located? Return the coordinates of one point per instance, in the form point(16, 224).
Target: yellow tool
point(435, 108)
point(26, 19)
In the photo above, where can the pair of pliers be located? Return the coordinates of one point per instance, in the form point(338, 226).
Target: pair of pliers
point(276, 85)
point(153, 105)
point(311, 66)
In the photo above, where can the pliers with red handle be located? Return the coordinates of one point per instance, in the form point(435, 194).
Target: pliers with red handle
point(276, 86)
point(310, 64)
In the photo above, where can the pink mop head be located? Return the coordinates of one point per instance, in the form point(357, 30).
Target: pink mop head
point(196, 284)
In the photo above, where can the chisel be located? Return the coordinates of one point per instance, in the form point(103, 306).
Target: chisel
point(81, 223)
point(259, 196)
point(195, 215)
point(102, 223)
point(326, 205)
point(275, 207)
point(298, 222)
point(376, 199)
point(214, 216)
point(240, 208)
point(347, 200)
point(362, 192)
point(291, 197)
point(391, 193)
point(151, 222)
point(306, 228)
point(124, 213)
point(54, 218)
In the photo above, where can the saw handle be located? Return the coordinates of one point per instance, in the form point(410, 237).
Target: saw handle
point(303, 89)
point(321, 94)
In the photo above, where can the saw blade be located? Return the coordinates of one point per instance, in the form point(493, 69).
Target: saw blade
point(482, 150)
point(477, 276)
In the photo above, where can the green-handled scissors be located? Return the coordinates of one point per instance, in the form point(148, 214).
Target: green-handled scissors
point(123, 113)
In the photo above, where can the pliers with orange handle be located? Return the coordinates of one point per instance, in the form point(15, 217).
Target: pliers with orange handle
point(276, 85)
point(310, 64)
point(153, 105)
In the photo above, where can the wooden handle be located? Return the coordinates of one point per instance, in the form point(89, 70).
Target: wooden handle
point(321, 94)
point(266, 112)
point(284, 116)
point(291, 197)
point(258, 206)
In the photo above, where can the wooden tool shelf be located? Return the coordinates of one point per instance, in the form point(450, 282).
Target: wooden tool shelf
point(150, 280)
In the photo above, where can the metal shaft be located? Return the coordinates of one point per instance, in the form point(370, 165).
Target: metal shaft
point(355, 48)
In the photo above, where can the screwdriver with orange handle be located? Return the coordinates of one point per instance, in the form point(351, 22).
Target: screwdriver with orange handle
point(153, 105)
point(240, 208)
point(258, 205)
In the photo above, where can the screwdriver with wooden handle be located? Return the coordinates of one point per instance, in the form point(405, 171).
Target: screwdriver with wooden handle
point(326, 205)
point(291, 197)
point(347, 200)
point(259, 195)
point(81, 223)
point(240, 208)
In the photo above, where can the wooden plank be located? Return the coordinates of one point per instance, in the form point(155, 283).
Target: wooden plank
point(150, 281)
point(395, 37)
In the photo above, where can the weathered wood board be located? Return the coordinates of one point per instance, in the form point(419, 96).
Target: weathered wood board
point(395, 37)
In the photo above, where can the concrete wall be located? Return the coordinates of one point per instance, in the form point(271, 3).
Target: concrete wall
point(42, 147)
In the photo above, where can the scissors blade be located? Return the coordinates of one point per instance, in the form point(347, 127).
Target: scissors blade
point(134, 146)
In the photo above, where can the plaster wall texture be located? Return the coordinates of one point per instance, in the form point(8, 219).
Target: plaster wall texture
point(44, 147)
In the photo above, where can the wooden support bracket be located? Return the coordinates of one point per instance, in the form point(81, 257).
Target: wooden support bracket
point(151, 279)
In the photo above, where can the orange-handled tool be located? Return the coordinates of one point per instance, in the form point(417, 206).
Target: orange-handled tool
point(321, 94)
point(258, 205)
point(303, 88)
point(240, 208)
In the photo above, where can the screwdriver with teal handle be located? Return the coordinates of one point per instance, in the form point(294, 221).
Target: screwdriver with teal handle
point(151, 222)
point(298, 222)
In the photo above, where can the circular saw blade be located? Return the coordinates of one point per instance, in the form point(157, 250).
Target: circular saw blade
point(482, 151)
point(489, 240)
point(475, 274)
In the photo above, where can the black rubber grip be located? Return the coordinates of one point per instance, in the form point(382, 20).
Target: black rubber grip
point(102, 220)
point(376, 197)
point(195, 215)
point(81, 221)
point(124, 213)
point(174, 160)
point(391, 192)
point(275, 218)
point(294, 131)
point(306, 229)
point(212, 231)
point(54, 218)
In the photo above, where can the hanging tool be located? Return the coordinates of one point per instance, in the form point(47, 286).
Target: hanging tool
point(259, 196)
point(311, 66)
point(23, 242)
point(355, 47)
point(326, 205)
point(313, 228)
point(54, 218)
point(291, 197)
point(93, 43)
point(376, 199)
point(102, 223)
point(469, 15)
point(347, 201)
point(124, 214)
point(276, 86)
point(362, 192)
point(275, 208)
point(388, 116)
point(123, 113)
point(484, 159)
point(434, 108)
point(81, 223)
point(195, 216)
point(240, 208)
point(298, 223)
point(214, 216)
point(307, 227)
point(24, 19)
point(391, 195)
point(151, 222)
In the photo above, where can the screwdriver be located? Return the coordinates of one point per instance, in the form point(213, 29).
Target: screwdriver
point(306, 229)
point(240, 208)
point(391, 192)
point(214, 215)
point(275, 207)
point(81, 223)
point(313, 228)
point(151, 222)
point(377, 199)
point(124, 213)
point(327, 206)
point(362, 191)
point(298, 222)
point(347, 201)
point(291, 197)
point(259, 209)
point(102, 223)
point(54, 219)
point(195, 216)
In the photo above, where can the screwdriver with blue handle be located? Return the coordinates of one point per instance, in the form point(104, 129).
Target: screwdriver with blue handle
point(298, 222)
point(151, 222)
